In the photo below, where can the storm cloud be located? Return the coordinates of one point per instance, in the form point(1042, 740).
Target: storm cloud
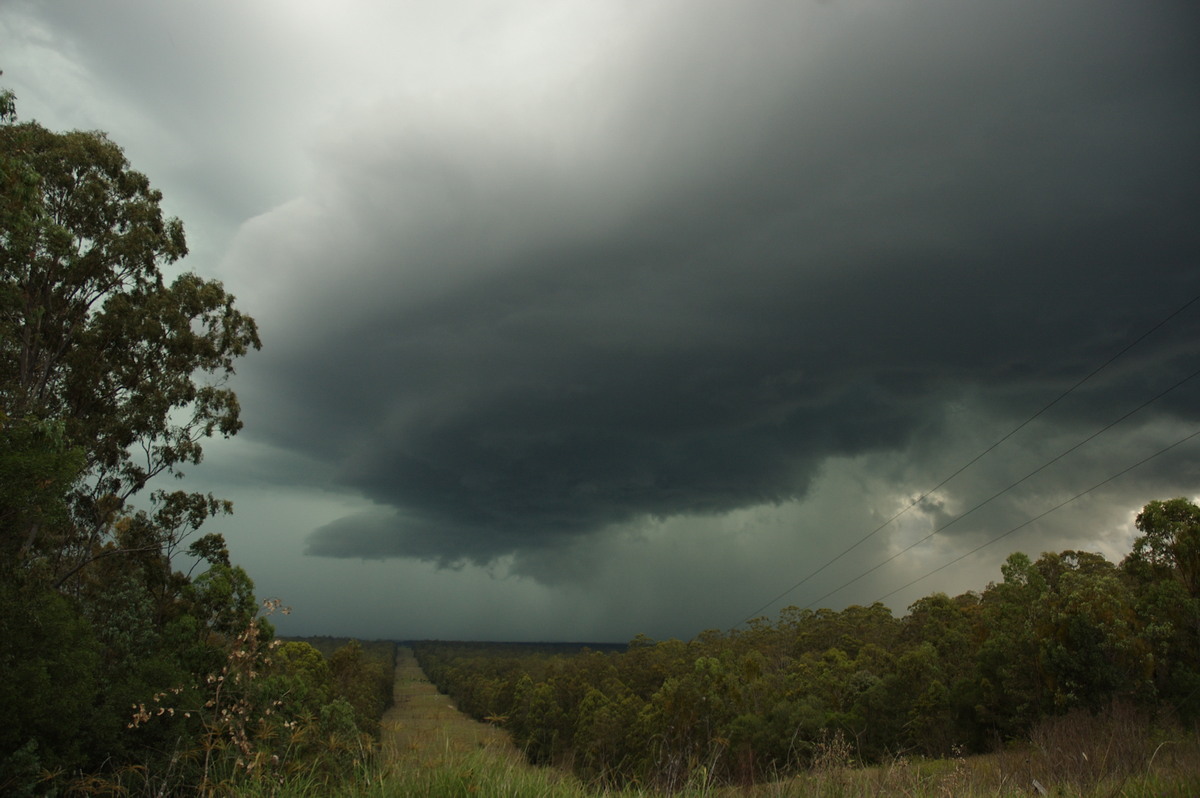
point(757, 239)
point(634, 315)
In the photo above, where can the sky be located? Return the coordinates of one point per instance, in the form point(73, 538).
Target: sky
point(583, 320)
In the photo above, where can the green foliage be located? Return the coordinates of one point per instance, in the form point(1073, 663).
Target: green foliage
point(50, 659)
point(304, 680)
point(222, 598)
point(262, 716)
point(37, 468)
point(1162, 571)
point(8, 106)
point(364, 682)
point(109, 377)
point(1170, 544)
point(93, 337)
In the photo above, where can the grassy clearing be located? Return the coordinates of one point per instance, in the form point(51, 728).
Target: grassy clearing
point(423, 726)
point(432, 749)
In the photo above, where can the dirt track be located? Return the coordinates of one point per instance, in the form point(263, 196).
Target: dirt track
point(425, 726)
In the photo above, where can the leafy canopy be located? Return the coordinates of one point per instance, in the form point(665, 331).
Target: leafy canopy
point(93, 338)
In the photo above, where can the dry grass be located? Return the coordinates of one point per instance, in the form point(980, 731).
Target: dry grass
point(1122, 751)
point(1078, 755)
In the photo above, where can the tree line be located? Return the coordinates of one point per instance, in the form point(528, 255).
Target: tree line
point(134, 655)
point(1069, 631)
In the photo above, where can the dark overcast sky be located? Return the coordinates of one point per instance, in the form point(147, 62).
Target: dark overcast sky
point(589, 319)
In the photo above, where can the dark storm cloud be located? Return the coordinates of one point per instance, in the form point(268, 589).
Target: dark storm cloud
point(763, 236)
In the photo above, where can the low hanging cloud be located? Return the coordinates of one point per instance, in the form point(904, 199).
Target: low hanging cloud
point(678, 278)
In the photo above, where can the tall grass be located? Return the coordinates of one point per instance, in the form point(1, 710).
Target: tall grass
point(1162, 766)
point(479, 775)
point(1121, 752)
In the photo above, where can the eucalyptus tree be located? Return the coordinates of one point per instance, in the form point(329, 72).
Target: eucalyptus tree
point(95, 342)
point(110, 375)
point(1164, 571)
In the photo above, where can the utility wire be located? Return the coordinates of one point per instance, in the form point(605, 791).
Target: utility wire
point(977, 457)
point(1041, 516)
point(996, 495)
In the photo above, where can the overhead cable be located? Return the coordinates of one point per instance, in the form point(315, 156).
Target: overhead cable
point(999, 493)
point(977, 457)
point(1058, 506)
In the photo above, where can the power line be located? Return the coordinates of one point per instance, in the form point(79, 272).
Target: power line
point(978, 457)
point(996, 495)
point(1041, 516)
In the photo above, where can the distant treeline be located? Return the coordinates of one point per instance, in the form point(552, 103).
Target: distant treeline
point(521, 648)
point(1069, 631)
